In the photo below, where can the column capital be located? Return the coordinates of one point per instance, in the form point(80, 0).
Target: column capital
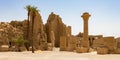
point(86, 16)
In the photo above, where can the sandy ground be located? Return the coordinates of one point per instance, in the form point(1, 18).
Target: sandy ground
point(55, 55)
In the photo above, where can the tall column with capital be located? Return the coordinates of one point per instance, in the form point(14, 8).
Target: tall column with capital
point(85, 41)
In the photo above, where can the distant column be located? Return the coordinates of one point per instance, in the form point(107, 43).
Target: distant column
point(52, 39)
point(85, 17)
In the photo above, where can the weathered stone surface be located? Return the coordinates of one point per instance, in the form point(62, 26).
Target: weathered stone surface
point(78, 41)
point(97, 43)
point(110, 43)
point(94, 37)
point(8, 32)
point(39, 35)
point(72, 43)
point(55, 24)
point(68, 31)
point(91, 50)
point(50, 48)
point(85, 41)
point(63, 43)
point(52, 36)
point(79, 35)
point(82, 49)
point(102, 50)
point(44, 46)
point(118, 42)
point(4, 48)
point(36, 30)
point(18, 49)
point(117, 51)
point(22, 25)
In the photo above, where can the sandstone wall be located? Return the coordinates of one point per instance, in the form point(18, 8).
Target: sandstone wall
point(98, 43)
point(110, 43)
point(63, 43)
point(72, 43)
point(8, 33)
point(22, 25)
point(118, 42)
point(55, 24)
point(39, 35)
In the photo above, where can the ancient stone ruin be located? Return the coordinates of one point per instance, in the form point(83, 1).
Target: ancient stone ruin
point(54, 33)
point(7, 34)
point(57, 27)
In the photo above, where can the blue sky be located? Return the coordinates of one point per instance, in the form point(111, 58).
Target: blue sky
point(105, 14)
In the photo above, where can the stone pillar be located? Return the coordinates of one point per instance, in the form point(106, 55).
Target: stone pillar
point(52, 39)
point(85, 17)
point(68, 31)
point(63, 43)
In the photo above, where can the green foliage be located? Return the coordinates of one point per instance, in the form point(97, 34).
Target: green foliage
point(19, 40)
point(33, 10)
point(28, 8)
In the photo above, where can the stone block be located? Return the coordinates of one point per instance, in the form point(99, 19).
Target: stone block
point(23, 49)
point(63, 43)
point(118, 42)
point(117, 51)
point(85, 43)
point(82, 49)
point(97, 43)
point(72, 43)
point(102, 50)
point(4, 48)
point(110, 43)
point(50, 48)
point(44, 46)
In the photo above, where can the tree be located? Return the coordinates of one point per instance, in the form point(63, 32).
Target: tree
point(33, 14)
point(28, 8)
point(19, 42)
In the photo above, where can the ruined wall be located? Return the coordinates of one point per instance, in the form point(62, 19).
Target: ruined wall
point(22, 25)
point(63, 43)
point(72, 43)
point(8, 33)
point(110, 43)
point(39, 35)
point(55, 24)
point(97, 43)
point(107, 43)
point(118, 42)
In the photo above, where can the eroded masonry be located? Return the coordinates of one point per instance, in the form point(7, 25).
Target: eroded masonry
point(54, 34)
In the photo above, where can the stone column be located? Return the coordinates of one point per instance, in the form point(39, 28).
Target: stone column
point(85, 17)
point(52, 39)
